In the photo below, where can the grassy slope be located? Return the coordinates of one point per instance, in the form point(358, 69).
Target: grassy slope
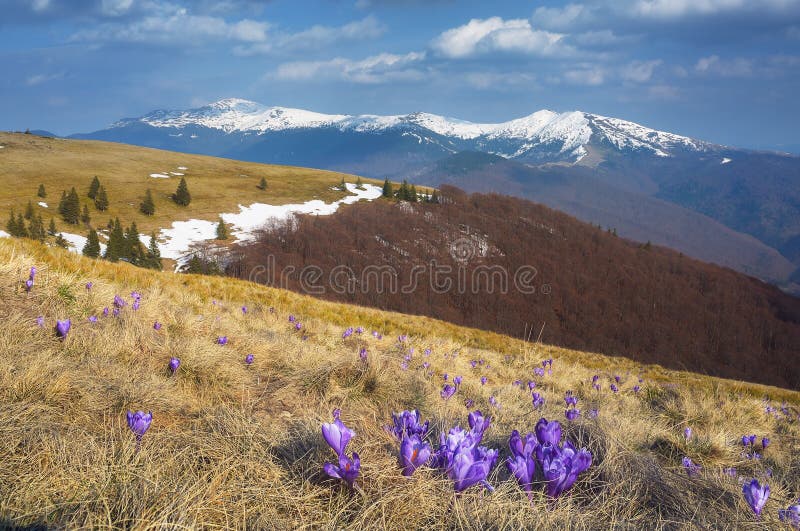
point(216, 185)
point(232, 447)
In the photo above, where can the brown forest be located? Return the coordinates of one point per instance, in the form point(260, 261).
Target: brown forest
point(587, 288)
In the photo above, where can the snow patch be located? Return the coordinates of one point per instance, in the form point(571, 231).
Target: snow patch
point(725, 160)
point(77, 242)
point(159, 176)
point(4, 234)
point(175, 173)
point(42, 204)
point(182, 168)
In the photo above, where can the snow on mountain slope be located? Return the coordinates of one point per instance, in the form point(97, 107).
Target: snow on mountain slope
point(565, 133)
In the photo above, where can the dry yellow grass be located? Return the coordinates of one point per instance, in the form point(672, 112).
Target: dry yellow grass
point(233, 447)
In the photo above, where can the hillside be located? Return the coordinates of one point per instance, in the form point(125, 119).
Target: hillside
point(237, 446)
point(217, 186)
point(515, 267)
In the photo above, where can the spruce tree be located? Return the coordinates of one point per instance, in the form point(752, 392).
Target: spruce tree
point(148, 208)
point(116, 243)
point(92, 247)
point(342, 186)
point(222, 230)
point(412, 194)
point(133, 246)
point(263, 184)
point(94, 188)
point(29, 210)
point(387, 189)
point(36, 228)
point(181, 195)
point(61, 242)
point(51, 230)
point(42, 192)
point(85, 217)
point(11, 224)
point(22, 232)
point(153, 253)
point(359, 184)
point(101, 201)
point(72, 208)
point(62, 203)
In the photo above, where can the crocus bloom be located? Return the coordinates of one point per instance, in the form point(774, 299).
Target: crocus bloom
point(298, 326)
point(174, 363)
point(522, 463)
point(517, 383)
point(115, 312)
point(156, 326)
point(457, 380)
point(448, 391)
point(62, 328)
point(360, 330)
point(636, 388)
point(572, 414)
point(414, 452)
point(139, 423)
point(119, 302)
point(92, 318)
point(347, 470)
point(28, 284)
point(691, 468)
point(592, 414)
point(570, 399)
point(531, 385)
point(347, 333)
point(614, 387)
point(538, 371)
point(756, 495)
point(362, 353)
point(731, 471)
point(249, 359)
point(464, 462)
point(548, 432)
point(445, 377)
point(493, 402)
point(89, 286)
point(478, 423)
point(687, 433)
point(244, 309)
point(469, 403)
point(135, 305)
point(222, 340)
point(595, 378)
point(105, 311)
point(616, 379)
point(764, 442)
point(538, 400)
point(484, 379)
point(32, 273)
point(427, 352)
point(406, 424)
point(291, 318)
point(473, 363)
point(561, 466)
point(135, 295)
point(791, 515)
point(40, 320)
point(336, 434)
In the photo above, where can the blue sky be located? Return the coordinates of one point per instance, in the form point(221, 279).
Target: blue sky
point(727, 71)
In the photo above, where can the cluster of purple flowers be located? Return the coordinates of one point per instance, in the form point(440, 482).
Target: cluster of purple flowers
point(572, 412)
point(338, 436)
point(692, 469)
point(410, 432)
point(449, 390)
point(29, 282)
point(791, 515)
point(560, 465)
point(461, 457)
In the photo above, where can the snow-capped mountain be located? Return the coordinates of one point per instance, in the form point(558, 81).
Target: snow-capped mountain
point(544, 136)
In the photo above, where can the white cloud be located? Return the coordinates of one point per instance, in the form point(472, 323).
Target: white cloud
point(380, 68)
point(639, 71)
point(500, 81)
point(592, 76)
point(667, 9)
point(560, 18)
point(38, 79)
point(713, 65)
point(115, 8)
point(496, 34)
point(317, 36)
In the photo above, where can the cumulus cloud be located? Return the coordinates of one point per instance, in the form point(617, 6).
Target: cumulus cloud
point(318, 36)
point(496, 34)
point(561, 18)
point(591, 76)
point(379, 68)
point(681, 8)
point(639, 71)
point(714, 65)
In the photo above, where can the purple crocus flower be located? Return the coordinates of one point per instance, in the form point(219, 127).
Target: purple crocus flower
point(464, 462)
point(298, 325)
point(538, 400)
point(119, 302)
point(92, 319)
point(522, 463)
point(360, 330)
point(469, 403)
point(596, 386)
point(478, 423)
point(572, 414)
point(592, 414)
point(473, 363)
point(28, 285)
point(62, 328)
point(448, 391)
point(40, 320)
point(595, 378)
point(135, 295)
point(616, 379)
point(105, 311)
point(764, 442)
point(691, 468)
point(156, 326)
point(222, 340)
point(730, 471)
point(347, 333)
point(791, 515)
point(291, 318)
point(614, 388)
point(406, 424)
point(347, 470)
point(493, 402)
point(362, 353)
point(687, 433)
point(484, 379)
point(516, 383)
point(445, 377)
point(89, 286)
point(548, 432)
point(139, 423)
point(115, 312)
point(174, 363)
point(457, 380)
point(570, 399)
point(249, 359)
point(531, 385)
point(562, 466)
point(755, 495)
point(135, 304)
point(336, 434)
point(414, 452)
point(32, 273)
point(538, 371)
point(427, 352)
point(636, 388)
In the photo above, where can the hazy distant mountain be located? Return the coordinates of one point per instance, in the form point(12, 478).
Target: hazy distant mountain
point(750, 192)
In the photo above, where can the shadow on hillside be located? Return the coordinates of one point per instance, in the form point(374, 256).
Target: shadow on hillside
point(9, 525)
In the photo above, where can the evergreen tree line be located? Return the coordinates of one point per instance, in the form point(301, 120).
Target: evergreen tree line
point(407, 192)
point(124, 244)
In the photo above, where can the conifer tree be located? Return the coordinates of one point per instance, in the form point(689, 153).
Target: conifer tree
point(342, 186)
point(94, 188)
point(101, 201)
point(148, 208)
point(263, 184)
point(22, 232)
point(29, 210)
point(61, 242)
point(153, 253)
point(133, 246)
point(51, 230)
point(115, 248)
point(42, 192)
point(36, 228)
point(62, 203)
point(387, 189)
point(412, 194)
point(222, 230)
point(72, 208)
point(11, 224)
point(85, 217)
point(92, 247)
point(359, 184)
point(182, 196)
